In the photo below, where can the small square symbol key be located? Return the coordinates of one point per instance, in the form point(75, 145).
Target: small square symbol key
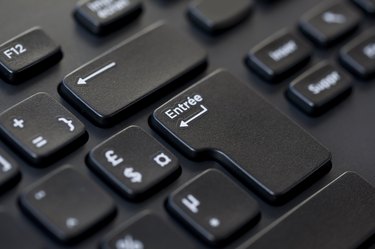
point(41, 129)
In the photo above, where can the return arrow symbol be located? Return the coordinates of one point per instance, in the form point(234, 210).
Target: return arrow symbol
point(186, 123)
point(83, 81)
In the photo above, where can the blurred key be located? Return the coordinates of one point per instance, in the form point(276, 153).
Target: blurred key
point(104, 16)
point(279, 56)
point(68, 205)
point(215, 16)
point(339, 216)
point(327, 24)
point(319, 88)
point(359, 55)
point(9, 171)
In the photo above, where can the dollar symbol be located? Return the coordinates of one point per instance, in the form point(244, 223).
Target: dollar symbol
point(132, 175)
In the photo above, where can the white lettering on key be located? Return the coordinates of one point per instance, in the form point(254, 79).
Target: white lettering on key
point(369, 51)
point(324, 84)
point(162, 159)
point(107, 8)
point(40, 195)
point(83, 81)
point(128, 242)
point(112, 158)
point(191, 203)
point(5, 165)
point(39, 142)
point(214, 222)
point(132, 175)
point(68, 122)
point(183, 106)
point(333, 18)
point(18, 123)
point(15, 50)
point(284, 51)
point(185, 123)
point(71, 222)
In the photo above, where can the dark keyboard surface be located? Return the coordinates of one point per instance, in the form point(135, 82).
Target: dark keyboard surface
point(184, 143)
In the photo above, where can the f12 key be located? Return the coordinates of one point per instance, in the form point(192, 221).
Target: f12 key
point(220, 118)
point(28, 54)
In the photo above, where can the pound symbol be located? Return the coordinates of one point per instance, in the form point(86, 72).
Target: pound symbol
point(112, 158)
point(162, 159)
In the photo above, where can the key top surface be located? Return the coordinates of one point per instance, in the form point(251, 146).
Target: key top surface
point(320, 88)
point(216, 16)
point(279, 56)
point(214, 206)
point(104, 16)
point(144, 231)
point(220, 118)
point(359, 55)
point(67, 204)
point(109, 85)
point(14, 235)
point(340, 216)
point(134, 162)
point(9, 171)
point(327, 24)
point(41, 129)
point(28, 54)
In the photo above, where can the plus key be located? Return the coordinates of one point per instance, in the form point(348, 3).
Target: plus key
point(41, 129)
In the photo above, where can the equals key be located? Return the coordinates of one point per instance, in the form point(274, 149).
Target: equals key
point(241, 131)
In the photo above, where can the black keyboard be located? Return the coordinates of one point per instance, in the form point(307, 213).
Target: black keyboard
point(161, 124)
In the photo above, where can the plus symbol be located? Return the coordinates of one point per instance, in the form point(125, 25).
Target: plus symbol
point(18, 123)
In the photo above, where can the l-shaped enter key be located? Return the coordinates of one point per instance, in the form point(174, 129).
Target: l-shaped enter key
point(220, 118)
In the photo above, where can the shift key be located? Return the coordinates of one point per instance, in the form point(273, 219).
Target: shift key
point(108, 86)
point(219, 118)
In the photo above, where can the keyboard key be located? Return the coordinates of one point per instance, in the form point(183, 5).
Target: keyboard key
point(41, 129)
point(67, 204)
point(104, 16)
point(146, 230)
point(341, 215)
point(279, 56)
point(134, 162)
point(9, 171)
point(327, 24)
point(319, 88)
point(214, 207)
point(215, 16)
point(28, 54)
point(366, 5)
point(359, 55)
point(14, 235)
point(220, 118)
point(108, 86)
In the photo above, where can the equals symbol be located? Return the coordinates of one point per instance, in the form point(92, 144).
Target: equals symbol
point(39, 142)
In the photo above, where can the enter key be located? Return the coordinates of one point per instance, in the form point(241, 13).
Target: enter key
point(220, 118)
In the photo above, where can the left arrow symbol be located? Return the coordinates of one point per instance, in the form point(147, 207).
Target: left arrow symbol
point(83, 81)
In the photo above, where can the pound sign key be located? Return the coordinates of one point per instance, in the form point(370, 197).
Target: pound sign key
point(112, 158)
